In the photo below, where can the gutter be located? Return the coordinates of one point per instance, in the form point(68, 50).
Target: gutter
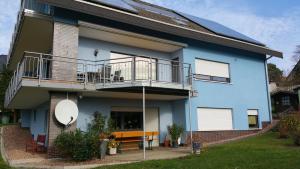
point(140, 21)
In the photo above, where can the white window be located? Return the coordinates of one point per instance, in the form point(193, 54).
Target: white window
point(212, 70)
point(253, 118)
point(211, 119)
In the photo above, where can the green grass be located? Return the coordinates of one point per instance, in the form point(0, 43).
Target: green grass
point(261, 152)
point(3, 165)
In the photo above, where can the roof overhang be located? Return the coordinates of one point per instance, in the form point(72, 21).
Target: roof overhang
point(140, 21)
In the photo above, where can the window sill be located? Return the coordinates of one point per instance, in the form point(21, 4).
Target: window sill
point(210, 81)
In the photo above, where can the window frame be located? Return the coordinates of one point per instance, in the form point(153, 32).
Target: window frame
point(209, 78)
point(257, 119)
point(286, 101)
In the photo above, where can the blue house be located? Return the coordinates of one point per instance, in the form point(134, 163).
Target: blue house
point(113, 57)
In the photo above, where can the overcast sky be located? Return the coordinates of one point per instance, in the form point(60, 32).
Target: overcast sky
point(276, 23)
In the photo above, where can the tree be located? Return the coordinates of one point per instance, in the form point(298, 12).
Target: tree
point(275, 74)
point(295, 74)
point(4, 81)
point(296, 56)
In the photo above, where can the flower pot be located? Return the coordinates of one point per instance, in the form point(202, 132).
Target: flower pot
point(167, 143)
point(175, 144)
point(103, 148)
point(112, 151)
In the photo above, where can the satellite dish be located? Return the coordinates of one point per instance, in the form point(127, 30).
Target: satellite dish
point(66, 112)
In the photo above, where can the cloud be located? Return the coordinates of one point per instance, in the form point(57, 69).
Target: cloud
point(8, 17)
point(279, 32)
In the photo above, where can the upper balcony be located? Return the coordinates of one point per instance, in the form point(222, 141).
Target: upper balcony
point(34, 23)
point(61, 73)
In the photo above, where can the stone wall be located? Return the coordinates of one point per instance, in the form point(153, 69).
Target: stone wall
point(65, 52)
point(54, 127)
point(215, 136)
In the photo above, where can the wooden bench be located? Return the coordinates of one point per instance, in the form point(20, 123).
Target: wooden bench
point(136, 137)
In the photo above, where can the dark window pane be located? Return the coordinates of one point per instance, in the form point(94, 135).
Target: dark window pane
point(212, 78)
point(128, 120)
point(253, 121)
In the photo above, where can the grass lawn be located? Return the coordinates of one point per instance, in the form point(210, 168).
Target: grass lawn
point(261, 152)
point(3, 165)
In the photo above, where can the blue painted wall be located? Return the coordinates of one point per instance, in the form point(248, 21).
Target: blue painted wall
point(38, 122)
point(25, 118)
point(87, 107)
point(247, 89)
point(88, 46)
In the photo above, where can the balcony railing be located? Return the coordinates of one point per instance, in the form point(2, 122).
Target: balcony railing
point(135, 70)
point(34, 7)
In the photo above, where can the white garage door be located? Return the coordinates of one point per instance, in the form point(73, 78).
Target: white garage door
point(214, 119)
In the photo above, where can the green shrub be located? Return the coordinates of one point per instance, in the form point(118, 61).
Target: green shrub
point(64, 143)
point(288, 124)
point(81, 146)
point(175, 131)
point(76, 145)
point(296, 137)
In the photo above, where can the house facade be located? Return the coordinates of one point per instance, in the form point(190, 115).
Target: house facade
point(102, 54)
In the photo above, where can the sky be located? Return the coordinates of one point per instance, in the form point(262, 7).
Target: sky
point(275, 23)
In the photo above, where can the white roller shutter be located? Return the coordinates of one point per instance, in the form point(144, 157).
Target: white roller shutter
point(211, 68)
point(214, 119)
point(252, 112)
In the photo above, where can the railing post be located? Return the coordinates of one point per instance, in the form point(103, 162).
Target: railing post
point(40, 68)
point(85, 75)
point(104, 73)
point(132, 70)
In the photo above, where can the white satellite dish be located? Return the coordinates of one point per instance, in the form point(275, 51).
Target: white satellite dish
point(66, 112)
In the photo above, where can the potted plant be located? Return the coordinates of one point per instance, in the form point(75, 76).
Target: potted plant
point(112, 147)
point(175, 132)
point(98, 127)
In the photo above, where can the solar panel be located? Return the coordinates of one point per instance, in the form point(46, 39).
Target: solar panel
point(153, 9)
point(219, 29)
point(120, 4)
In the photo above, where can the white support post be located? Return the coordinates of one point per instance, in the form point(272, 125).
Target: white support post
point(190, 118)
point(144, 124)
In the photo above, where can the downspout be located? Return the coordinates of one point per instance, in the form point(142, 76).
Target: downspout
point(267, 87)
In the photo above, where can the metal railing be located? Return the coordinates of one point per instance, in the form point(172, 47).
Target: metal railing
point(45, 67)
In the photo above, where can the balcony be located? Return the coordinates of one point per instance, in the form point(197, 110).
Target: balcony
point(31, 12)
point(44, 70)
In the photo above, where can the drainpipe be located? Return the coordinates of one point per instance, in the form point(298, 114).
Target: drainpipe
point(267, 87)
point(190, 118)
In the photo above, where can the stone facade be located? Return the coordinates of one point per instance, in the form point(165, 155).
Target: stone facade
point(54, 127)
point(65, 51)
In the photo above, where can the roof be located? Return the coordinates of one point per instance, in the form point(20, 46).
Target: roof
point(294, 70)
point(175, 17)
point(286, 90)
point(157, 18)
